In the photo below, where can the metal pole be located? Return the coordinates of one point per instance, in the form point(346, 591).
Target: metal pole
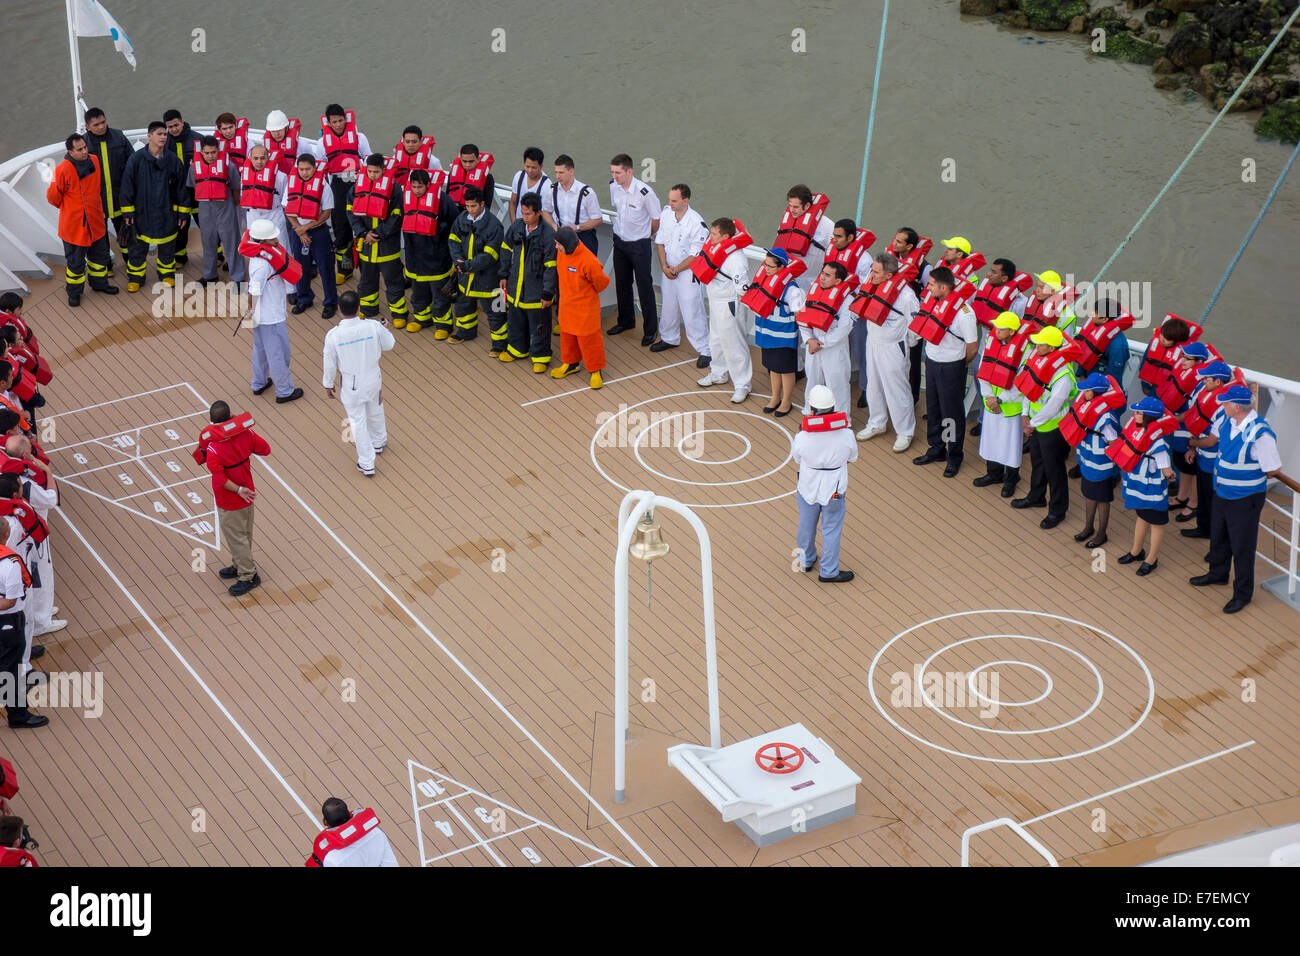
point(1295, 544)
point(871, 117)
point(634, 505)
point(75, 56)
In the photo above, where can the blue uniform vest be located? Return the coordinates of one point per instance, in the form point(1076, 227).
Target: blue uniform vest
point(1145, 486)
point(778, 330)
point(1235, 475)
point(1091, 452)
point(1206, 457)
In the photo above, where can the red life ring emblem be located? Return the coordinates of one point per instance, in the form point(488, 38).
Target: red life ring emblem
point(779, 758)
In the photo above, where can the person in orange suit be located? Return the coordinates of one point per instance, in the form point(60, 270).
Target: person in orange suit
point(74, 191)
point(581, 282)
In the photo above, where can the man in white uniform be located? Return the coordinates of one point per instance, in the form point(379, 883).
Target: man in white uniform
point(635, 207)
point(268, 293)
point(40, 599)
point(828, 362)
point(14, 629)
point(889, 395)
point(822, 450)
point(728, 334)
point(530, 179)
point(352, 349)
point(567, 201)
point(682, 234)
point(350, 839)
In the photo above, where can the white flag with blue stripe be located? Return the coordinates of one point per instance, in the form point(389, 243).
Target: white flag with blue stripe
point(90, 19)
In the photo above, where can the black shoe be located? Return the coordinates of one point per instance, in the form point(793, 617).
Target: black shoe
point(951, 470)
point(662, 346)
point(1180, 517)
point(779, 414)
point(1204, 580)
point(841, 578)
point(862, 400)
point(1097, 542)
point(704, 361)
point(1206, 559)
point(1146, 567)
point(1085, 534)
point(768, 411)
point(300, 307)
point(1194, 533)
point(31, 720)
point(809, 567)
point(1050, 522)
point(1232, 607)
point(975, 432)
point(984, 480)
point(1075, 472)
point(291, 397)
point(618, 329)
point(1028, 503)
point(929, 456)
point(259, 391)
point(329, 311)
point(74, 301)
point(243, 587)
point(1129, 557)
point(107, 288)
point(293, 298)
point(647, 340)
point(38, 650)
point(229, 572)
point(799, 376)
point(1009, 488)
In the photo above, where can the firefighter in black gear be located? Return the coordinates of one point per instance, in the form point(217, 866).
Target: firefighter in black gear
point(183, 141)
point(111, 147)
point(475, 244)
point(379, 238)
point(529, 281)
point(428, 261)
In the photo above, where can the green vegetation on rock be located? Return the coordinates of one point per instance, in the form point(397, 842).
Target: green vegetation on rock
point(1052, 14)
point(1281, 121)
point(1125, 46)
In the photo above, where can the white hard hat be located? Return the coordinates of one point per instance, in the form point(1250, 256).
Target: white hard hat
point(276, 120)
point(263, 229)
point(821, 397)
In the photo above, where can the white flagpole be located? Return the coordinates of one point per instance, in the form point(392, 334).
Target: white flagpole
point(77, 102)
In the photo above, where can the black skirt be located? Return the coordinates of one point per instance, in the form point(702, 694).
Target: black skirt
point(1152, 516)
point(782, 361)
point(1103, 490)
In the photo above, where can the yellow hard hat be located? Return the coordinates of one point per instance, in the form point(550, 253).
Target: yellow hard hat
point(1048, 335)
point(1007, 320)
point(958, 242)
point(1052, 280)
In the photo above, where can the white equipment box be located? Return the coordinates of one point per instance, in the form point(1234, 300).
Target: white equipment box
point(811, 788)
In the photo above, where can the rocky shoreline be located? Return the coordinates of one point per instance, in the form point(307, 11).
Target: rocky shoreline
point(1198, 45)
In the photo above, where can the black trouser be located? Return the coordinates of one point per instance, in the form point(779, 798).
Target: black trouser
point(429, 303)
point(633, 258)
point(944, 393)
point(13, 642)
point(1233, 537)
point(82, 259)
point(119, 227)
point(1008, 476)
point(341, 226)
point(166, 263)
point(1204, 500)
point(1047, 454)
point(914, 355)
point(394, 286)
point(528, 332)
point(181, 245)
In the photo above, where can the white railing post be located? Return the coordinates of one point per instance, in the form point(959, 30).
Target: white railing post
point(1015, 827)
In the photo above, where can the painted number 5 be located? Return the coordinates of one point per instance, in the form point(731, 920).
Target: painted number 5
point(125, 479)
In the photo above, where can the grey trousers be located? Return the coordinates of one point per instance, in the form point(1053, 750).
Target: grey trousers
point(832, 522)
point(219, 226)
point(271, 357)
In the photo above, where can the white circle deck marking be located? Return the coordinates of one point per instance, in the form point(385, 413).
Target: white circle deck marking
point(998, 702)
point(726, 411)
point(1150, 701)
point(713, 431)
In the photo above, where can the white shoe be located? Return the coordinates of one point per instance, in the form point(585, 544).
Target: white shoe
point(739, 395)
point(869, 432)
point(53, 611)
point(711, 380)
point(379, 449)
point(51, 627)
point(903, 443)
point(369, 473)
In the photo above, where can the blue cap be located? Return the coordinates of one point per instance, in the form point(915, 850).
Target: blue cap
point(1197, 350)
point(780, 255)
point(1215, 369)
point(1239, 394)
point(1096, 382)
point(1150, 405)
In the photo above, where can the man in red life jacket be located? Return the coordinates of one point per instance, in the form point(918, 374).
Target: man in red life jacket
point(260, 183)
point(822, 450)
point(415, 151)
point(308, 206)
point(909, 249)
point(959, 259)
point(945, 373)
point(341, 151)
point(375, 211)
point(281, 140)
point(226, 448)
point(805, 231)
point(850, 245)
point(888, 395)
point(472, 168)
point(987, 297)
point(14, 843)
point(232, 139)
point(1162, 352)
point(215, 181)
point(350, 839)
point(42, 492)
point(1041, 423)
point(15, 582)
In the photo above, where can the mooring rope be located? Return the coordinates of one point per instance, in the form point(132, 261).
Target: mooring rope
point(871, 118)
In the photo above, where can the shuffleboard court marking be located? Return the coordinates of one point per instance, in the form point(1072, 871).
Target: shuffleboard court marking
point(621, 378)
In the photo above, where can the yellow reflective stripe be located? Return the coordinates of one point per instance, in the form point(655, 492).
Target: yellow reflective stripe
point(550, 262)
point(453, 238)
point(126, 209)
point(185, 209)
point(108, 180)
point(478, 295)
point(152, 241)
point(492, 252)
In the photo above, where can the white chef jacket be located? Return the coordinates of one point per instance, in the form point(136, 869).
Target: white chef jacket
point(819, 450)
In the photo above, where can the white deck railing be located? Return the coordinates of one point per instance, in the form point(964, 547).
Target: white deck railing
point(1011, 825)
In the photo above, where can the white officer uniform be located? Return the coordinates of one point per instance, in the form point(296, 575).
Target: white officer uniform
point(816, 256)
point(830, 365)
point(276, 212)
point(683, 299)
point(823, 459)
point(40, 602)
point(728, 327)
point(562, 204)
point(889, 394)
point(352, 349)
point(521, 187)
point(26, 554)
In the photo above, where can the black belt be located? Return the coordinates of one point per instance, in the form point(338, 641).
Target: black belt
point(815, 468)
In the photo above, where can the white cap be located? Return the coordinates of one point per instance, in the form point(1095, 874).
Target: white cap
point(276, 120)
point(821, 397)
point(264, 229)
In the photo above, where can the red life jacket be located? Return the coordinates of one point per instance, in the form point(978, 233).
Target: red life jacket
point(283, 154)
point(877, 300)
point(210, 180)
point(1135, 441)
point(1040, 313)
point(24, 384)
point(1039, 371)
point(1176, 390)
point(1082, 416)
point(336, 838)
point(935, 317)
point(401, 163)
point(966, 266)
point(257, 190)
point(341, 152)
point(7, 554)
point(1198, 416)
point(826, 423)
point(1095, 338)
point(24, 332)
point(459, 179)
point(23, 423)
point(12, 856)
point(8, 780)
point(372, 197)
point(915, 258)
point(34, 525)
point(1002, 360)
point(824, 304)
point(20, 467)
point(220, 431)
point(990, 300)
point(765, 291)
point(1159, 361)
point(851, 254)
point(705, 266)
point(282, 264)
point(305, 197)
point(33, 364)
point(795, 234)
point(420, 213)
point(235, 149)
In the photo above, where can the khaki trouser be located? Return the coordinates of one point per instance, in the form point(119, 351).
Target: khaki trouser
point(237, 530)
